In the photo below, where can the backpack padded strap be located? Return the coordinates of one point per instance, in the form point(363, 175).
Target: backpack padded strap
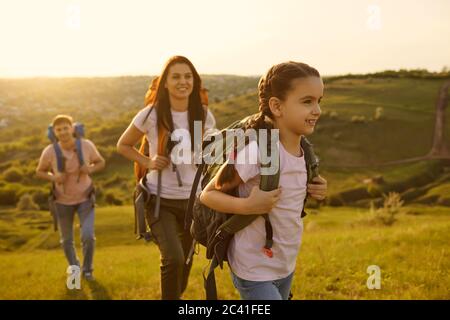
point(158, 195)
point(269, 232)
point(59, 157)
point(148, 114)
point(192, 196)
point(209, 281)
point(79, 151)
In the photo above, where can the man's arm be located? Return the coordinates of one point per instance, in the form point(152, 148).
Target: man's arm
point(97, 162)
point(43, 168)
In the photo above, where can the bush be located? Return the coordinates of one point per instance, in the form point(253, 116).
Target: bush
point(26, 203)
point(12, 175)
point(8, 196)
point(40, 197)
point(112, 199)
point(391, 208)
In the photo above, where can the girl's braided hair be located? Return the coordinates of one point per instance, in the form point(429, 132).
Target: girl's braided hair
point(275, 83)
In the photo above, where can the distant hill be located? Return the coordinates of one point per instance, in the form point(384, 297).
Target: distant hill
point(367, 120)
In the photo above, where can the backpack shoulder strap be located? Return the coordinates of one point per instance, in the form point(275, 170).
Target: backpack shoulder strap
point(270, 182)
point(192, 196)
point(267, 183)
point(312, 165)
point(60, 163)
point(148, 114)
point(79, 149)
point(79, 135)
point(140, 171)
point(311, 160)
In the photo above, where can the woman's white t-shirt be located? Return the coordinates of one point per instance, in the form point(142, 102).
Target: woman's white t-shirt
point(245, 253)
point(187, 169)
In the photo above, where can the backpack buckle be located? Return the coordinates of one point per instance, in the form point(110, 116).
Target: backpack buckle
point(220, 235)
point(268, 252)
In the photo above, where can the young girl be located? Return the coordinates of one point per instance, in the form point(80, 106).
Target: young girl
point(289, 97)
point(177, 105)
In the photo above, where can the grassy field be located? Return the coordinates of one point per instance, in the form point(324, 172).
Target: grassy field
point(338, 246)
point(339, 242)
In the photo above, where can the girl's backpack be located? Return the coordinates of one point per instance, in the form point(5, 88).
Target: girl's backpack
point(214, 229)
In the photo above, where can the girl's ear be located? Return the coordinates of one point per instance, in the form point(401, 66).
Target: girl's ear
point(275, 106)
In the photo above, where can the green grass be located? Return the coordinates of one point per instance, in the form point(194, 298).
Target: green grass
point(338, 246)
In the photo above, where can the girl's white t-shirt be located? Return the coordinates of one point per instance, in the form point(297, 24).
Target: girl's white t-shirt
point(169, 185)
point(245, 253)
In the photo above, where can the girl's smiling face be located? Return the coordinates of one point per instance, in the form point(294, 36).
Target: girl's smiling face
point(300, 109)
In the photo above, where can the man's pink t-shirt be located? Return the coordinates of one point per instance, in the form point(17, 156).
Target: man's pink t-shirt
point(75, 188)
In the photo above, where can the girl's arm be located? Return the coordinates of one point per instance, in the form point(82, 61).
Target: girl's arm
point(125, 146)
point(258, 202)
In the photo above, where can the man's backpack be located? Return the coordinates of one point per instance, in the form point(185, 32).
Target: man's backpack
point(78, 134)
point(214, 229)
point(60, 163)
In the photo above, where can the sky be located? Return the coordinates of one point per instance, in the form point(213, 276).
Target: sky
point(245, 37)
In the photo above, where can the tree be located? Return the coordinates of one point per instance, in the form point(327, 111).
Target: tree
point(439, 147)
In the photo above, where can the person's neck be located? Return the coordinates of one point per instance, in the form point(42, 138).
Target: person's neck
point(179, 105)
point(68, 145)
point(290, 141)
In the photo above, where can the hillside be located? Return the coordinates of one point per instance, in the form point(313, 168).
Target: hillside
point(365, 122)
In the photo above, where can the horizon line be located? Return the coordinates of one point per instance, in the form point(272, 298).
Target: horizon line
point(131, 75)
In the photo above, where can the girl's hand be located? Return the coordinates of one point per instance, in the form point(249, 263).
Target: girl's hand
point(318, 189)
point(260, 202)
point(158, 162)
